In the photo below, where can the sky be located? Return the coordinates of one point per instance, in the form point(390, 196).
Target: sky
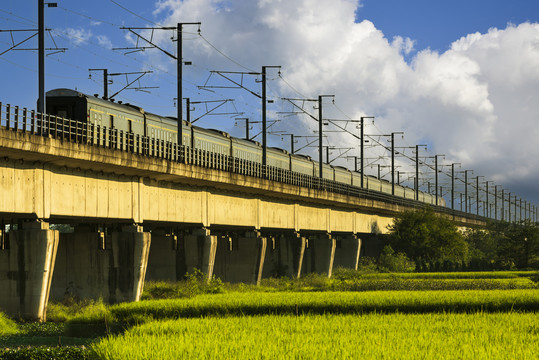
point(460, 76)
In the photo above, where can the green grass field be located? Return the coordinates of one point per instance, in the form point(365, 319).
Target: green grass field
point(369, 336)
point(239, 304)
point(410, 316)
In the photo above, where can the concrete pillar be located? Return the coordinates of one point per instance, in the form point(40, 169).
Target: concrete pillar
point(26, 269)
point(320, 254)
point(163, 260)
point(241, 258)
point(83, 265)
point(130, 250)
point(91, 265)
point(199, 249)
point(284, 256)
point(348, 248)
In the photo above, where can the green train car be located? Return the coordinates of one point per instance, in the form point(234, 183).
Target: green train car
point(93, 113)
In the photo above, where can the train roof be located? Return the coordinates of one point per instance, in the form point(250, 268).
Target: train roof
point(220, 132)
point(306, 157)
point(247, 140)
point(62, 92)
point(278, 149)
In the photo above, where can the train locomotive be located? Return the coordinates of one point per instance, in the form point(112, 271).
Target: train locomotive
point(131, 119)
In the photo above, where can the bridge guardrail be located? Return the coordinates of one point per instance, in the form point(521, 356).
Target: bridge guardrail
point(16, 119)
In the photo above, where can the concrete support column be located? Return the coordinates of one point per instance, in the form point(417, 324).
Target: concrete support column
point(347, 251)
point(26, 269)
point(240, 258)
point(130, 250)
point(299, 253)
point(164, 264)
point(262, 244)
point(284, 256)
point(320, 254)
point(83, 265)
point(199, 249)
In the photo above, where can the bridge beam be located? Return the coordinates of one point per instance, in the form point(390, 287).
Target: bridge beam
point(26, 269)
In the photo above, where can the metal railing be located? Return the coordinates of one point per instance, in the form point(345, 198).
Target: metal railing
point(22, 120)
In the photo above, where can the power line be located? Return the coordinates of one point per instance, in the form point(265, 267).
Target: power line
point(133, 13)
point(224, 55)
point(87, 16)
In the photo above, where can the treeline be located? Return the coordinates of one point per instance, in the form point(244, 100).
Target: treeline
point(423, 241)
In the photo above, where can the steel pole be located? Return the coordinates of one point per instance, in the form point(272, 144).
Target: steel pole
point(105, 84)
point(362, 147)
point(495, 202)
point(477, 196)
point(436, 178)
point(41, 56)
point(392, 163)
point(320, 135)
point(509, 208)
point(466, 191)
point(264, 143)
point(486, 199)
point(453, 186)
point(416, 183)
point(503, 205)
point(179, 86)
point(188, 110)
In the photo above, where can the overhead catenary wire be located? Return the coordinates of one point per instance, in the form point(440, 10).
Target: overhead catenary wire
point(164, 72)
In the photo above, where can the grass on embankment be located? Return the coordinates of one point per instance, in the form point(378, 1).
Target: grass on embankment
point(350, 280)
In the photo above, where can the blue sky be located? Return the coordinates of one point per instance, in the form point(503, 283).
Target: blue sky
point(436, 24)
point(462, 76)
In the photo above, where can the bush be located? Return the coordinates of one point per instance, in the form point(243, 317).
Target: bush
point(7, 326)
point(195, 283)
point(46, 353)
point(72, 306)
point(395, 262)
point(367, 265)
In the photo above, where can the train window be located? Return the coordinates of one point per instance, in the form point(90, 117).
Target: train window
point(61, 112)
point(111, 117)
point(130, 126)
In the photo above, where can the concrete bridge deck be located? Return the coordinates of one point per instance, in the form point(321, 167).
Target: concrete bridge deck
point(145, 215)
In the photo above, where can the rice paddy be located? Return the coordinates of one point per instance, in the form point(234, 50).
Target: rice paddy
point(442, 316)
point(368, 336)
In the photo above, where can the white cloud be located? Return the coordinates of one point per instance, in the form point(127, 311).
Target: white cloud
point(476, 102)
point(104, 41)
point(78, 36)
point(406, 46)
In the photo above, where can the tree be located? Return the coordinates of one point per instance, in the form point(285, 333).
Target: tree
point(483, 249)
point(518, 244)
point(421, 234)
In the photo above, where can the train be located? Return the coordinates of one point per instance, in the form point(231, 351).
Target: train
point(131, 119)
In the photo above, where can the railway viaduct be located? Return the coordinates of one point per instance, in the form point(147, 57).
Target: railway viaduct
point(139, 213)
